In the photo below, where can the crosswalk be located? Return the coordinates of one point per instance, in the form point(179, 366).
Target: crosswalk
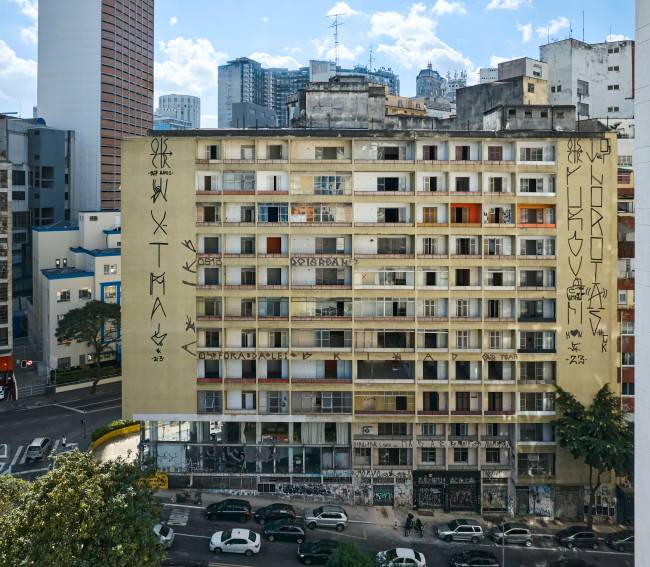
point(13, 458)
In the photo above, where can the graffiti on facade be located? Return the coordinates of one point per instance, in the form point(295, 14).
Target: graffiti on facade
point(310, 261)
point(444, 444)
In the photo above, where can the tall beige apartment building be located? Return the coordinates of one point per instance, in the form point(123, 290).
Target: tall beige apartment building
point(372, 316)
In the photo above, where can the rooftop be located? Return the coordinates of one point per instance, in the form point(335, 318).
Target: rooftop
point(97, 251)
point(55, 228)
point(65, 273)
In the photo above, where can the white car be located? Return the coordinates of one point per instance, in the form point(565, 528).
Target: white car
point(236, 541)
point(164, 534)
point(400, 557)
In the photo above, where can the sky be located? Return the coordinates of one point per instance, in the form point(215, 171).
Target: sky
point(193, 37)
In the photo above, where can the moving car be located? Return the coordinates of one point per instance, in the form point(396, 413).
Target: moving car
point(317, 552)
point(327, 517)
point(232, 509)
point(511, 532)
point(165, 534)
point(276, 511)
point(400, 556)
point(237, 540)
point(460, 530)
point(288, 529)
point(621, 541)
point(38, 448)
point(578, 536)
point(474, 559)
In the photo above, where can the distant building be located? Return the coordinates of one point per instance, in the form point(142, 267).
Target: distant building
point(6, 334)
point(41, 165)
point(95, 76)
point(286, 82)
point(73, 263)
point(597, 78)
point(488, 74)
point(249, 115)
point(164, 122)
point(522, 67)
point(242, 80)
point(430, 83)
point(323, 71)
point(458, 81)
point(184, 108)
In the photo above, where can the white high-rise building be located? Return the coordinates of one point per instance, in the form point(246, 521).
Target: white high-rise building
point(182, 107)
point(95, 76)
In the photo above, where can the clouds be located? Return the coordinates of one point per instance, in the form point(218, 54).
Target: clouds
point(269, 60)
point(553, 27)
point(617, 37)
point(29, 8)
point(17, 76)
point(187, 64)
point(410, 39)
point(173, 21)
point(526, 31)
point(508, 4)
point(342, 9)
point(325, 49)
point(443, 7)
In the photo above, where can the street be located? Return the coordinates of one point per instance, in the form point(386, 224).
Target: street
point(193, 532)
point(53, 417)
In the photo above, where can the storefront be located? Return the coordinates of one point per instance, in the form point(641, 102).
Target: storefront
point(495, 494)
point(450, 491)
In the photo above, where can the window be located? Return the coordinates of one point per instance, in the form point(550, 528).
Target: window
point(17, 177)
point(462, 153)
point(462, 184)
point(462, 308)
point(212, 152)
point(559, 88)
point(495, 401)
point(528, 114)
point(613, 109)
point(85, 293)
point(613, 68)
point(428, 455)
point(110, 269)
point(627, 328)
point(17, 195)
point(531, 154)
point(622, 297)
point(536, 401)
point(109, 294)
point(461, 455)
point(627, 359)
point(613, 50)
point(492, 429)
point(430, 153)
point(493, 456)
point(394, 457)
point(429, 429)
point(462, 339)
point(543, 113)
point(63, 363)
point(496, 184)
point(322, 152)
point(625, 160)
point(247, 152)
point(495, 153)
point(247, 276)
point(431, 184)
point(512, 112)
point(462, 401)
point(392, 429)
point(274, 151)
point(63, 295)
point(390, 153)
point(613, 87)
point(391, 184)
point(462, 277)
point(238, 181)
point(329, 184)
point(496, 340)
point(627, 388)
point(531, 87)
point(553, 89)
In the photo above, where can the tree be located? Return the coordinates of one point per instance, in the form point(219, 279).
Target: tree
point(97, 324)
point(82, 513)
point(349, 555)
point(598, 434)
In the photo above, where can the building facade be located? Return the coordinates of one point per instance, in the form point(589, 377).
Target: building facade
point(430, 84)
point(6, 335)
point(186, 108)
point(95, 76)
point(242, 80)
point(73, 264)
point(487, 74)
point(597, 78)
point(382, 314)
point(165, 122)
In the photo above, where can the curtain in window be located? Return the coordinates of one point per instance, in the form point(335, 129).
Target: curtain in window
point(312, 433)
point(342, 434)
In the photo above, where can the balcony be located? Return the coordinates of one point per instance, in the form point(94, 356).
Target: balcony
point(240, 380)
point(500, 412)
point(536, 350)
point(536, 319)
point(316, 381)
point(466, 412)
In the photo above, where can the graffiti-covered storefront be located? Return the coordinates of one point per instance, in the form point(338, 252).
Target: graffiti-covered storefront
point(450, 491)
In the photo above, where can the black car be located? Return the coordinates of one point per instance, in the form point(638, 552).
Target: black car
point(570, 562)
point(621, 541)
point(289, 529)
point(474, 558)
point(578, 536)
point(231, 509)
point(274, 512)
point(317, 552)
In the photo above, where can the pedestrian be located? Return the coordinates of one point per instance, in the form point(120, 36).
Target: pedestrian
point(63, 441)
point(408, 525)
point(419, 528)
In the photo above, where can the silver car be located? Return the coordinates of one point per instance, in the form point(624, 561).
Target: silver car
point(37, 448)
point(327, 517)
point(513, 533)
point(460, 530)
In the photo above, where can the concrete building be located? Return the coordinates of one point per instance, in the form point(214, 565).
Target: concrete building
point(73, 263)
point(286, 82)
point(165, 122)
point(186, 108)
point(382, 313)
point(6, 334)
point(455, 82)
point(242, 80)
point(323, 71)
point(42, 175)
point(597, 78)
point(430, 84)
point(487, 74)
point(642, 282)
point(249, 115)
point(95, 76)
point(522, 67)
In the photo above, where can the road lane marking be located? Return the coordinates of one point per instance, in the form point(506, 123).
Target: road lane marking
point(98, 403)
point(102, 409)
point(55, 446)
point(4, 450)
point(22, 461)
point(69, 408)
point(182, 505)
point(363, 537)
point(17, 455)
point(178, 518)
point(194, 535)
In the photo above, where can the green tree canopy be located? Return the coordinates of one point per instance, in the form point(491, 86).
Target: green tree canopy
point(81, 514)
point(96, 323)
point(598, 434)
point(349, 555)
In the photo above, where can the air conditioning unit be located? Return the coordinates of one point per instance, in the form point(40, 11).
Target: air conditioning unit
point(368, 430)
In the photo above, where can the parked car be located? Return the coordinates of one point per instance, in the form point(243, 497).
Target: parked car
point(474, 559)
point(460, 530)
point(578, 536)
point(165, 534)
point(317, 552)
point(621, 541)
point(511, 533)
point(288, 529)
point(237, 540)
point(570, 562)
point(400, 557)
point(327, 517)
point(272, 512)
point(38, 448)
point(231, 509)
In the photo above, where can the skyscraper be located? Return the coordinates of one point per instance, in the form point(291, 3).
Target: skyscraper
point(95, 76)
point(186, 108)
point(242, 80)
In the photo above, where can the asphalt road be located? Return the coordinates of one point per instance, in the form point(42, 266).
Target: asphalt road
point(193, 532)
point(53, 417)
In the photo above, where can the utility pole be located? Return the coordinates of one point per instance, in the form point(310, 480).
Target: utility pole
point(335, 24)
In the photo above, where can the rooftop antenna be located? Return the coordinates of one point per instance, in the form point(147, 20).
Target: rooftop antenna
point(335, 24)
point(583, 26)
point(370, 58)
